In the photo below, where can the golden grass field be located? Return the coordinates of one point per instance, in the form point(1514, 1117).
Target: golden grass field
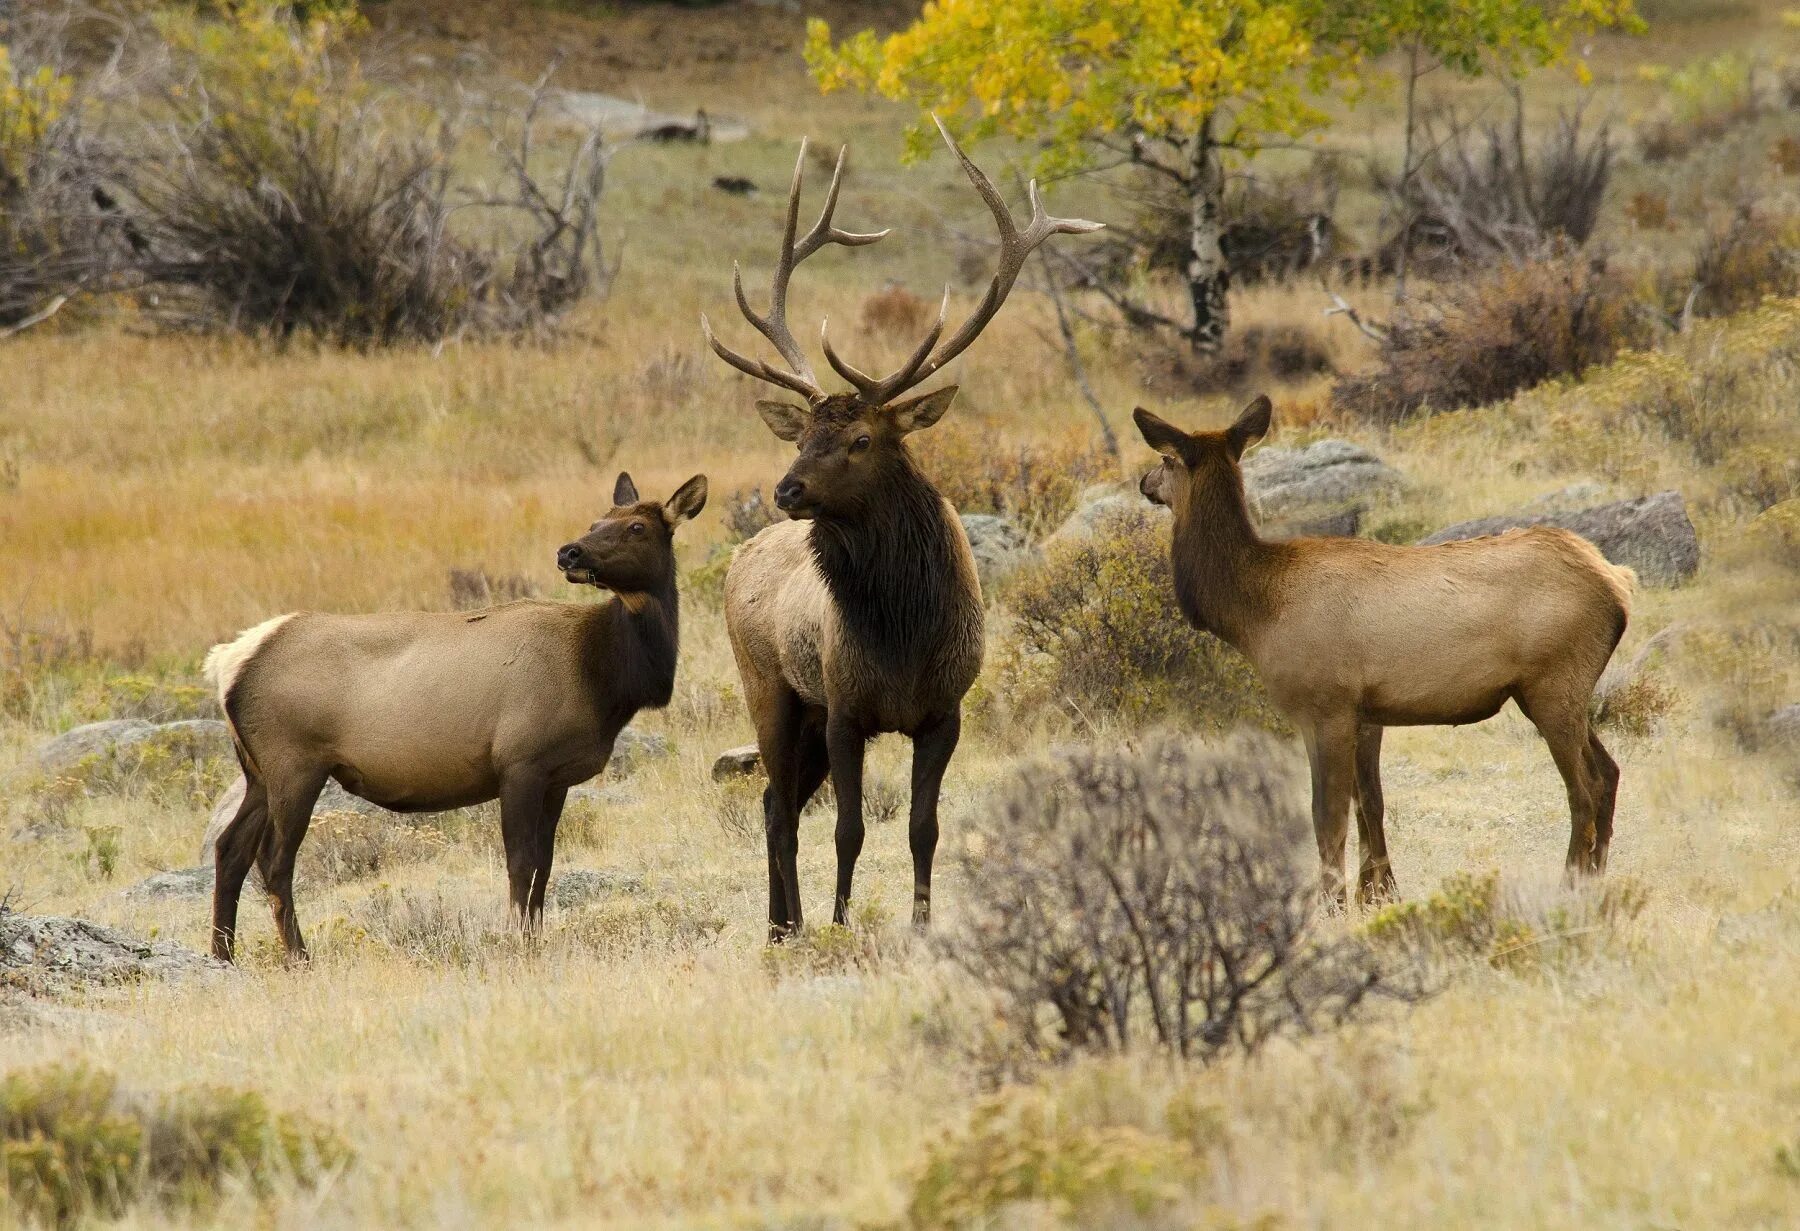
point(650, 1062)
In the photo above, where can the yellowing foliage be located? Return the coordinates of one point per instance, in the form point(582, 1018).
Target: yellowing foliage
point(30, 102)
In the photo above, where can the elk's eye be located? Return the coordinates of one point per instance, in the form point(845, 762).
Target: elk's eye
point(859, 444)
point(637, 527)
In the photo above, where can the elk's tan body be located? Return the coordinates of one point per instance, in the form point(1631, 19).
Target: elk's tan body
point(864, 614)
point(424, 711)
point(1351, 636)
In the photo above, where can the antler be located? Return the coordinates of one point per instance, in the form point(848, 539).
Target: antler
point(799, 377)
point(1015, 246)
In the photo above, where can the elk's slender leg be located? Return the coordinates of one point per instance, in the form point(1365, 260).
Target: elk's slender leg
point(546, 850)
point(932, 747)
point(1375, 881)
point(1605, 772)
point(779, 737)
point(291, 800)
point(521, 812)
point(1564, 725)
point(1331, 748)
point(233, 854)
point(844, 746)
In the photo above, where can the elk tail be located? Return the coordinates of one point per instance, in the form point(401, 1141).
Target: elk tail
point(224, 666)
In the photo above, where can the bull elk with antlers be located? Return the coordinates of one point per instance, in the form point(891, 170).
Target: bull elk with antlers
point(862, 614)
point(1351, 636)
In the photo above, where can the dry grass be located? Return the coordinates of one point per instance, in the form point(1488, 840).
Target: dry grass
point(646, 1065)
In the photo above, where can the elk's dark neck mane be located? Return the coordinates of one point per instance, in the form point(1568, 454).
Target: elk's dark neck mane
point(630, 649)
point(891, 567)
point(1223, 569)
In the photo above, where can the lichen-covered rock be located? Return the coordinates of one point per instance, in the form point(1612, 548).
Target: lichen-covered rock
point(96, 739)
point(1326, 473)
point(999, 546)
point(50, 955)
point(634, 747)
point(116, 746)
point(1652, 535)
point(175, 883)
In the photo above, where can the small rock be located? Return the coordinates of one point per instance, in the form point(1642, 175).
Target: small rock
point(579, 886)
point(999, 546)
point(1326, 472)
point(632, 748)
point(178, 883)
point(737, 763)
point(1652, 535)
point(95, 739)
point(1783, 726)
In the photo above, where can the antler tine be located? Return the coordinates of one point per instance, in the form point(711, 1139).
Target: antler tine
point(806, 388)
point(877, 392)
point(1015, 247)
point(773, 325)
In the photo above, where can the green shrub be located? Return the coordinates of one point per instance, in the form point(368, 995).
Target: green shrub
point(1019, 1149)
point(1098, 628)
point(1482, 339)
point(171, 765)
point(74, 1146)
point(1472, 918)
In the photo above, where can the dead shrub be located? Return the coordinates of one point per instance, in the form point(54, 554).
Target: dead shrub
point(1499, 198)
point(1275, 229)
point(1742, 262)
point(1785, 154)
point(1097, 629)
point(1638, 706)
point(895, 312)
point(1034, 482)
point(1486, 338)
point(343, 846)
point(748, 513)
point(1252, 358)
point(1777, 528)
point(1157, 898)
point(1648, 211)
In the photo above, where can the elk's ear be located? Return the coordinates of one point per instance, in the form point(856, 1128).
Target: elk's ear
point(1251, 426)
point(1160, 434)
point(624, 491)
point(922, 411)
point(687, 501)
point(785, 419)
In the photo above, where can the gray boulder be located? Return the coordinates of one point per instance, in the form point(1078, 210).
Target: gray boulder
point(579, 886)
point(999, 546)
point(1652, 535)
point(1783, 726)
point(1326, 473)
point(118, 741)
point(50, 955)
point(634, 747)
point(176, 883)
point(738, 762)
point(333, 798)
point(1102, 504)
point(95, 739)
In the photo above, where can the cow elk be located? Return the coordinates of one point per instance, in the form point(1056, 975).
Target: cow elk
point(862, 614)
point(1351, 636)
point(425, 711)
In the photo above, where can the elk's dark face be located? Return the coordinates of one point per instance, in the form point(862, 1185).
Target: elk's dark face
point(845, 449)
point(632, 549)
point(1188, 457)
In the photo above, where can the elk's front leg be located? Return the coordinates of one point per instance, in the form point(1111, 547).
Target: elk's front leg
point(932, 746)
point(844, 749)
point(521, 812)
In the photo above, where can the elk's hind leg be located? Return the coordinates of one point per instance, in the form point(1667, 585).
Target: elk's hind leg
point(236, 849)
point(1375, 880)
point(1604, 771)
point(292, 795)
point(1563, 722)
